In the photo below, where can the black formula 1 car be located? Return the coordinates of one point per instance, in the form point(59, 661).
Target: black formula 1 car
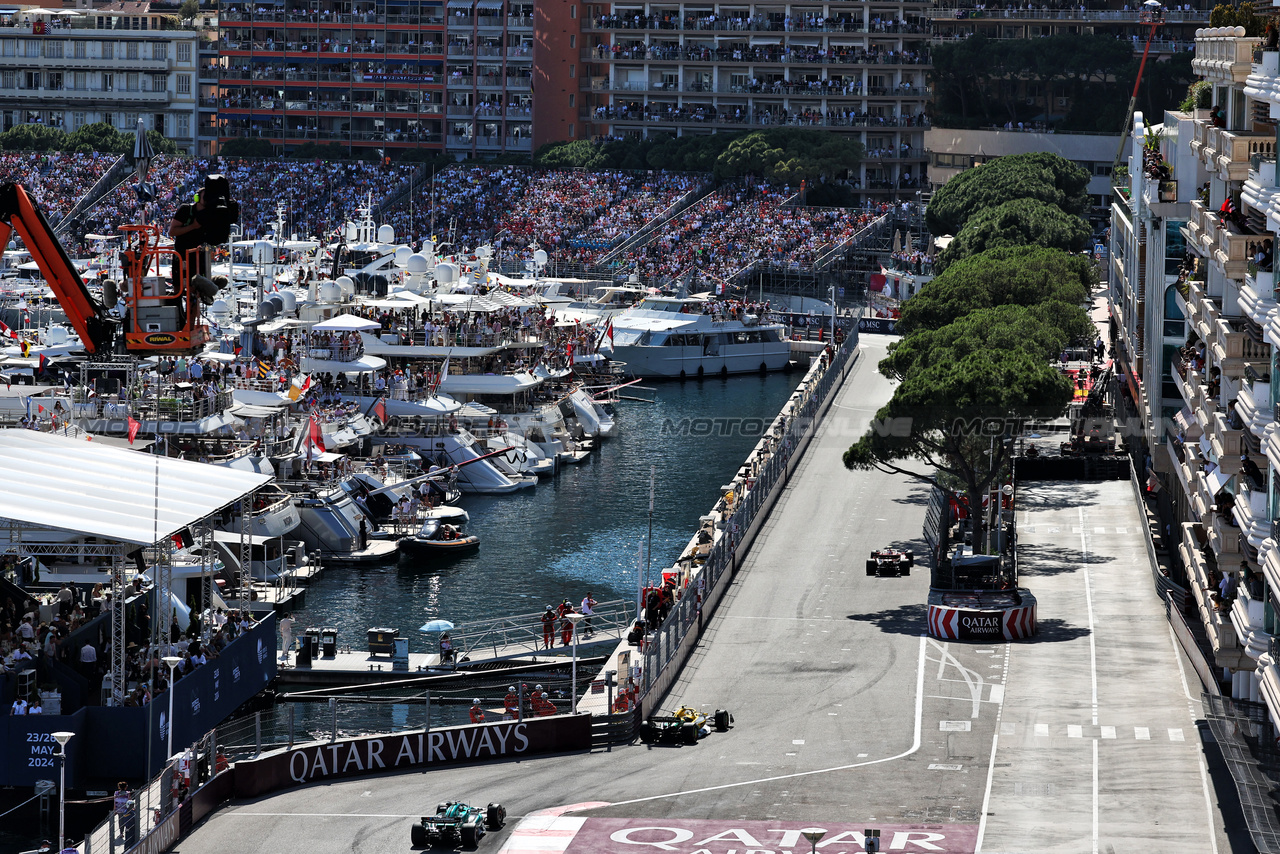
point(890, 563)
point(456, 822)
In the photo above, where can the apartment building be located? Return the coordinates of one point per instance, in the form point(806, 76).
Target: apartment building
point(1196, 324)
point(115, 63)
point(701, 67)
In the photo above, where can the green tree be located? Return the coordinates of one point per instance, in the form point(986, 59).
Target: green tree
point(789, 155)
point(189, 10)
point(1017, 275)
point(31, 137)
point(160, 144)
point(1033, 329)
point(937, 414)
point(100, 137)
point(1021, 222)
point(1046, 177)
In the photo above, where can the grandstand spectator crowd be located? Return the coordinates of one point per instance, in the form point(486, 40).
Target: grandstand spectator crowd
point(577, 217)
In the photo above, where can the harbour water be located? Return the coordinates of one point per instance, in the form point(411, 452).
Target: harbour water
point(578, 532)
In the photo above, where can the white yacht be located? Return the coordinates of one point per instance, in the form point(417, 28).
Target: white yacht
point(667, 336)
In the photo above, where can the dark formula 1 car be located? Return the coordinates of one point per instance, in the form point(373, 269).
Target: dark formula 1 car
point(890, 562)
point(455, 822)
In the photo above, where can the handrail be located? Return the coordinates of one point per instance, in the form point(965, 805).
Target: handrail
point(524, 631)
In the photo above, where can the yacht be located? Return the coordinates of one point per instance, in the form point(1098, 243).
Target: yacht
point(673, 336)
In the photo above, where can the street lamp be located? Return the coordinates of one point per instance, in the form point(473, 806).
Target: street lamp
point(62, 738)
point(814, 835)
point(575, 619)
point(173, 661)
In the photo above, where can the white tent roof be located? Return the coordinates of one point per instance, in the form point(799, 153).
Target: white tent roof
point(346, 323)
point(76, 485)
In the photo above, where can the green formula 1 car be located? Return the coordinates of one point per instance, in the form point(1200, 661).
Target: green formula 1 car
point(456, 822)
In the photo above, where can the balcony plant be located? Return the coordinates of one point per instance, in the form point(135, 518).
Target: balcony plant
point(1199, 97)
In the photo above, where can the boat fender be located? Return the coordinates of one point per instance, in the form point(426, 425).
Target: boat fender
point(729, 498)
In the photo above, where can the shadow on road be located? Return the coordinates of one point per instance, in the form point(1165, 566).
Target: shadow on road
point(1048, 559)
point(902, 620)
point(1054, 630)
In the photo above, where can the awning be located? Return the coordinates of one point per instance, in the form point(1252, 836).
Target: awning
point(245, 410)
point(1216, 481)
point(459, 4)
point(82, 486)
point(489, 4)
point(1187, 423)
point(346, 323)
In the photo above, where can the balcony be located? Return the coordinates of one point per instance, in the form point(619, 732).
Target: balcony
point(1233, 151)
point(1202, 228)
point(1263, 82)
point(1253, 405)
point(1257, 297)
point(1235, 248)
point(1224, 538)
point(1225, 60)
point(1233, 346)
point(1251, 513)
point(1218, 625)
point(1248, 618)
point(1227, 442)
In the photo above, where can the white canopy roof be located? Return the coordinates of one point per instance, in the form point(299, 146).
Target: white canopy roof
point(346, 323)
point(83, 486)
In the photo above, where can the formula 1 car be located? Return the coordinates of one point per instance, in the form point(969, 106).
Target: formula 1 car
point(686, 726)
point(890, 563)
point(456, 822)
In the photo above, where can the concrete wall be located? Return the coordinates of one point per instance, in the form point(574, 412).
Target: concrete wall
point(557, 70)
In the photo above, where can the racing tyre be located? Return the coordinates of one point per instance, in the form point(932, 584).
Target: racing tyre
point(418, 835)
point(471, 836)
point(689, 733)
point(911, 559)
point(872, 567)
point(905, 569)
point(648, 732)
point(495, 816)
point(722, 720)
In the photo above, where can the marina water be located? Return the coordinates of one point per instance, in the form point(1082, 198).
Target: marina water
point(579, 532)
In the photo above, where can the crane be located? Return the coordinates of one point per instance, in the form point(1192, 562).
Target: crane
point(1152, 15)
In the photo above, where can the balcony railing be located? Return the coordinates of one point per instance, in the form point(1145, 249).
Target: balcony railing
point(1236, 248)
point(1230, 151)
point(757, 55)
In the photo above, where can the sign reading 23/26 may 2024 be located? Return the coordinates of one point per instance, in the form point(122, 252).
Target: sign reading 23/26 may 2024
point(676, 836)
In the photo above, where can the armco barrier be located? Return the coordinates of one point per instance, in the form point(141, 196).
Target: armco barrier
point(351, 757)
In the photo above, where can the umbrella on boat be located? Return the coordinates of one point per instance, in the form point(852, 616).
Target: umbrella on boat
point(143, 154)
point(347, 323)
point(436, 626)
point(897, 241)
point(908, 246)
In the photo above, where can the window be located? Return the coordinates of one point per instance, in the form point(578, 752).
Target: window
point(53, 49)
point(159, 50)
point(131, 50)
point(8, 80)
point(130, 120)
point(79, 81)
point(573, 11)
point(32, 48)
point(107, 50)
point(8, 47)
point(573, 41)
point(79, 49)
point(53, 80)
point(571, 100)
point(109, 118)
point(159, 82)
point(184, 84)
point(184, 52)
point(157, 123)
point(184, 124)
point(1102, 169)
point(108, 84)
point(573, 70)
point(131, 82)
point(570, 128)
point(77, 121)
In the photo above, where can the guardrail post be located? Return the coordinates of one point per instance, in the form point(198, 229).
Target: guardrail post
point(333, 714)
point(427, 725)
point(257, 732)
point(291, 716)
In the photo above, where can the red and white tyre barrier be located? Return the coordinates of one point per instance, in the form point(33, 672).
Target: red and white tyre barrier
point(953, 622)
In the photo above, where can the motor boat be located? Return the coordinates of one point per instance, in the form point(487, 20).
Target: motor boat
point(438, 538)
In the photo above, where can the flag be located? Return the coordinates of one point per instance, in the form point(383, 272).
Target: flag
point(263, 369)
point(7, 332)
point(608, 330)
point(43, 361)
point(26, 349)
point(133, 429)
point(444, 374)
point(568, 351)
point(315, 438)
point(380, 409)
point(299, 387)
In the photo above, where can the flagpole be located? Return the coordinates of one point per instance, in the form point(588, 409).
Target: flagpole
point(648, 552)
